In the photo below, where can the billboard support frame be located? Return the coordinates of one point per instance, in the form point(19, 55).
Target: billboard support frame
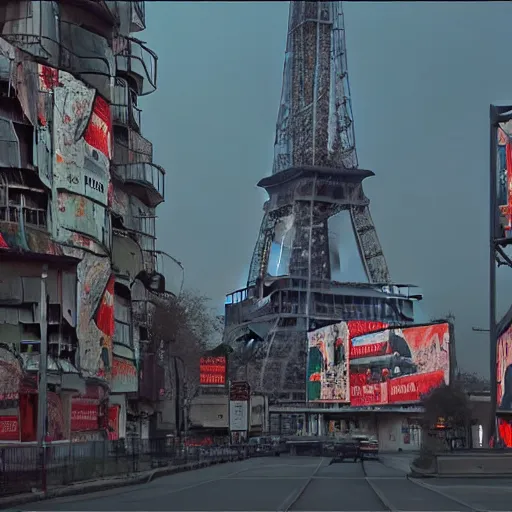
point(497, 115)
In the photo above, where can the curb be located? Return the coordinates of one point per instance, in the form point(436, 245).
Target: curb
point(77, 489)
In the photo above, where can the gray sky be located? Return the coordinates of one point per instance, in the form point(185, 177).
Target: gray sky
point(422, 76)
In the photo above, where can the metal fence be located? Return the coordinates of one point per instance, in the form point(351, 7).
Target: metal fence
point(21, 468)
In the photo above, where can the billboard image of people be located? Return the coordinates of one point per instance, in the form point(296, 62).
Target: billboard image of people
point(504, 370)
point(399, 365)
point(328, 354)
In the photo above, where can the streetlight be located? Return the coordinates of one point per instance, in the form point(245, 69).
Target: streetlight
point(42, 385)
point(497, 115)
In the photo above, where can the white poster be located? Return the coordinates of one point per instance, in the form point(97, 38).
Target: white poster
point(238, 415)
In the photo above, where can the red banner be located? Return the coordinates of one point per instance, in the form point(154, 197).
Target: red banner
point(113, 422)
point(99, 131)
point(9, 428)
point(212, 371)
point(411, 387)
point(84, 417)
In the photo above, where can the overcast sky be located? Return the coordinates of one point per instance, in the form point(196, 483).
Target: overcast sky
point(422, 76)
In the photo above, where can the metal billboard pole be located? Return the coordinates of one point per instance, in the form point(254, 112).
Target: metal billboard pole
point(497, 115)
point(42, 384)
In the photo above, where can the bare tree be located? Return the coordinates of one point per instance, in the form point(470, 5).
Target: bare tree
point(182, 327)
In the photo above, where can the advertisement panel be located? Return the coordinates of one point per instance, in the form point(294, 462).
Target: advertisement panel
point(504, 370)
point(212, 371)
point(9, 428)
point(328, 353)
point(239, 398)
point(504, 163)
point(124, 376)
point(84, 416)
point(399, 365)
point(83, 144)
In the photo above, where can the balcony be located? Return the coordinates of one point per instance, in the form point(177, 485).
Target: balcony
point(143, 180)
point(32, 27)
point(170, 269)
point(138, 62)
point(124, 110)
point(131, 148)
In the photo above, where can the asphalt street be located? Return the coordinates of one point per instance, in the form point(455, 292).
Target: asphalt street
point(294, 484)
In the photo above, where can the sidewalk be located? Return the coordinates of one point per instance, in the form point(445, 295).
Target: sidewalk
point(103, 484)
point(399, 461)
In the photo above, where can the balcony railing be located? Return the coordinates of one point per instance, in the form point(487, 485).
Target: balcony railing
point(124, 111)
point(133, 149)
point(142, 225)
point(171, 270)
point(31, 27)
point(135, 59)
point(33, 217)
point(147, 180)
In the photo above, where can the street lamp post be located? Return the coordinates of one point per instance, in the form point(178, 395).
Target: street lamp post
point(42, 384)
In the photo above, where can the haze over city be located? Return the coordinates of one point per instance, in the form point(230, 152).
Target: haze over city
point(422, 76)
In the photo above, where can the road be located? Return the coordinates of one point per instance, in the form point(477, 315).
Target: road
point(294, 484)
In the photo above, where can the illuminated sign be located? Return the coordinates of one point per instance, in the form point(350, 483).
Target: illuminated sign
point(212, 371)
point(399, 365)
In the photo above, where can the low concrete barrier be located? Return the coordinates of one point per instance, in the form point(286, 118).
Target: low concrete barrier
point(477, 463)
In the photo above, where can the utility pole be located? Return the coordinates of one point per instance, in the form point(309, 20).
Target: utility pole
point(42, 385)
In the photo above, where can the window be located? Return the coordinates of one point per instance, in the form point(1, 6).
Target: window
point(123, 320)
point(16, 202)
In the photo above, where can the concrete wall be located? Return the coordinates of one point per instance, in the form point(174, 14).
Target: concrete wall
point(395, 430)
point(212, 411)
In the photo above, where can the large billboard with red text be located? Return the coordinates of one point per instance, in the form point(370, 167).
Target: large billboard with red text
point(399, 365)
point(329, 349)
point(212, 371)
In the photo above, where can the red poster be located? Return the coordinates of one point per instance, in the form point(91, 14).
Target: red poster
point(84, 417)
point(113, 422)
point(105, 314)
point(9, 428)
point(99, 131)
point(411, 388)
point(399, 365)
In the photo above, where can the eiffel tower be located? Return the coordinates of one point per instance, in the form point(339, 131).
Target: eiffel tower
point(317, 259)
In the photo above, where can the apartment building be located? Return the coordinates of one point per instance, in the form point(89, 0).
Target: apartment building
point(79, 192)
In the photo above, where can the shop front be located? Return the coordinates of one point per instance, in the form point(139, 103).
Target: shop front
point(87, 414)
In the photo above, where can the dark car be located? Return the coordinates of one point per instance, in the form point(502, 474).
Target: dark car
point(346, 450)
point(368, 447)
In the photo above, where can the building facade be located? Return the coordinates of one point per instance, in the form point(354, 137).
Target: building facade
point(317, 259)
point(78, 197)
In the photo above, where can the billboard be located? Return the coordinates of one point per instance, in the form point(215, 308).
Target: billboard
point(504, 370)
point(328, 354)
point(399, 365)
point(504, 170)
point(212, 371)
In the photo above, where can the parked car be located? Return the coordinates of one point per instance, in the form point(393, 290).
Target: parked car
point(346, 449)
point(265, 445)
point(368, 446)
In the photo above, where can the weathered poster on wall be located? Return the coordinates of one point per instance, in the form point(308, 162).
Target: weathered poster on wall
point(124, 376)
point(83, 140)
point(239, 400)
point(238, 416)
